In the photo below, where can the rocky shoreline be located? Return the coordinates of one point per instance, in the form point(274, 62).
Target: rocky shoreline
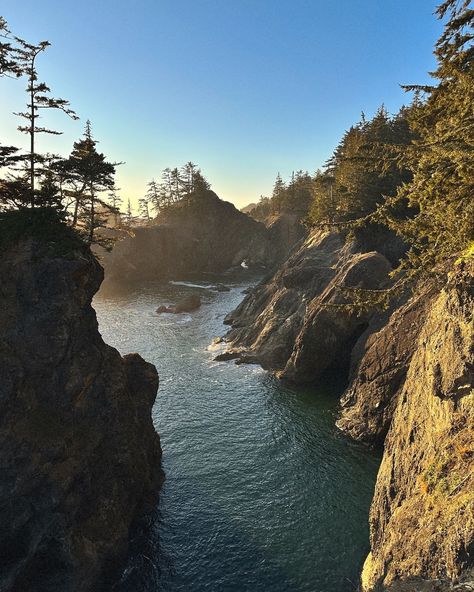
point(410, 375)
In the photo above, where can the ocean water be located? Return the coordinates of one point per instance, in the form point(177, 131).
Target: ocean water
point(262, 492)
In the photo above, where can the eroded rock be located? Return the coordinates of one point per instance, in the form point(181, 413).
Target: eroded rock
point(295, 322)
point(186, 304)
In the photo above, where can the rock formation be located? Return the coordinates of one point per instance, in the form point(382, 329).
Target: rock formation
point(380, 361)
point(410, 387)
point(422, 516)
point(295, 322)
point(202, 234)
point(187, 304)
point(80, 458)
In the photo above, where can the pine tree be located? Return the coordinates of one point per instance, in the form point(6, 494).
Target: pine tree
point(188, 173)
point(176, 184)
point(89, 174)
point(115, 202)
point(278, 193)
point(365, 169)
point(10, 63)
point(144, 209)
point(156, 196)
point(129, 218)
point(38, 99)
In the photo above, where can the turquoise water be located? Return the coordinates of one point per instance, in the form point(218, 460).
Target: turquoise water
point(262, 493)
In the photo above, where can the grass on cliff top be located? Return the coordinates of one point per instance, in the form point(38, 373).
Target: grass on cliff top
point(44, 225)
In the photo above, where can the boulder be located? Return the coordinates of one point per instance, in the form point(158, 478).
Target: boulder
point(187, 304)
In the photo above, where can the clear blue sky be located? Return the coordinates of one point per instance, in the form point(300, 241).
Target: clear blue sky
point(244, 88)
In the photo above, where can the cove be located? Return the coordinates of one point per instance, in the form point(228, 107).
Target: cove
point(262, 492)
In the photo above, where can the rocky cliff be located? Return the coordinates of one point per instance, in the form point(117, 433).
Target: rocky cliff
point(80, 458)
point(410, 374)
point(422, 516)
point(296, 322)
point(201, 234)
point(379, 365)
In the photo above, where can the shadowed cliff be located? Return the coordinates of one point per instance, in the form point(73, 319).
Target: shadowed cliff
point(80, 458)
point(200, 234)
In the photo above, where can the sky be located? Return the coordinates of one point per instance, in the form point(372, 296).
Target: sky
point(243, 88)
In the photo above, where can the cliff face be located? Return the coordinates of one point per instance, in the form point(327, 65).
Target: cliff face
point(410, 388)
point(205, 234)
point(80, 458)
point(380, 361)
point(422, 516)
point(294, 323)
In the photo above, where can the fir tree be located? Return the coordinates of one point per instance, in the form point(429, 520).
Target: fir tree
point(38, 99)
point(89, 174)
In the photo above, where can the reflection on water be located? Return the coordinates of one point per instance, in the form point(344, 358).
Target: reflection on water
point(262, 492)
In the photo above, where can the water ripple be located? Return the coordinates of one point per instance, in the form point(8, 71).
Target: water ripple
point(262, 493)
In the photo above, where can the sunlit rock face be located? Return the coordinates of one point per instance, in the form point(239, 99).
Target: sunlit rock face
point(410, 388)
point(80, 458)
point(296, 323)
point(203, 234)
point(422, 516)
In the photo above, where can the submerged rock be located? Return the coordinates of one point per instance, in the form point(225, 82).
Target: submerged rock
point(80, 458)
point(230, 354)
point(220, 288)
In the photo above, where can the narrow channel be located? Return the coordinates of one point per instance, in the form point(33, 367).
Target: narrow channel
point(262, 492)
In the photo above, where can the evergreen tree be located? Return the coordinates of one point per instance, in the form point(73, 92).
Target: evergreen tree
point(129, 218)
point(10, 63)
point(278, 193)
point(176, 184)
point(440, 196)
point(188, 173)
point(157, 196)
point(38, 99)
point(166, 190)
point(115, 202)
point(144, 209)
point(365, 169)
point(200, 183)
point(89, 174)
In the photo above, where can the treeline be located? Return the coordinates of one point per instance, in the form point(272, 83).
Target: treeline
point(363, 168)
point(176, 185)
point(79, 188)
point(294, 196)
point(412, 172)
